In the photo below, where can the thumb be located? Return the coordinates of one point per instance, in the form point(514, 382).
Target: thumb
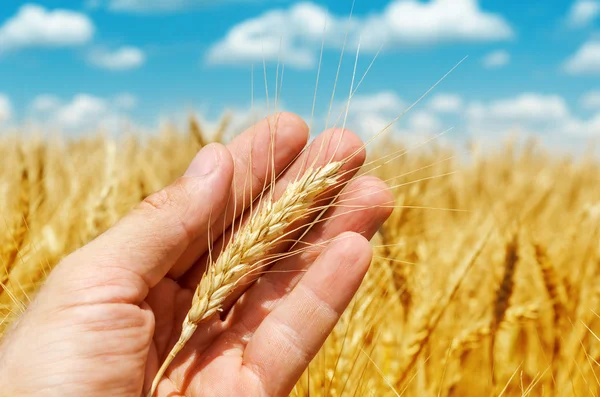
point(134, 255)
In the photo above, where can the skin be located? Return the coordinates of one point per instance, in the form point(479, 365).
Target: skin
point(110, 312)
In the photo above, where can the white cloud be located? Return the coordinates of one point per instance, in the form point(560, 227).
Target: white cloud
point(126, 101)
point(586, 128)
point(372, 114)
point(290, 35)
point(583, 13)
point(5, 108)
point(586, 60)
point(34, 26)
point(83, 110)
point(409, 22)
point(541, 114)
point(527, 106)
point(496, 59)
point(591, 100)
point(384, 101)
point(545, 116)
point(446, 103)
point(424, 122)
point(294, 35)
point(369, 113)
point(45, 103)
point(82, 113)
point(123, 58)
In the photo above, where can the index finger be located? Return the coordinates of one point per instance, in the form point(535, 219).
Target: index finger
point(288, 339)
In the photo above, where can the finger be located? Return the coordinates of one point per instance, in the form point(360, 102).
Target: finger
point(320, 152)
point(362, 208)
point(137, 252)
point(292, 334)
point(266, 148)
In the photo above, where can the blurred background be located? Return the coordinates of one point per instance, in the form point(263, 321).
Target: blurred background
point(80, 66)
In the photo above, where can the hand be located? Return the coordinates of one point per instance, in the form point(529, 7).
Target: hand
point(110, 312)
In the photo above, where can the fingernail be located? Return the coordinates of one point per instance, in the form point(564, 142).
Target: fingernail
point(204, 163)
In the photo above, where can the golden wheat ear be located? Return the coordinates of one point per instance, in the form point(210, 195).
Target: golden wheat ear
point(250, 246)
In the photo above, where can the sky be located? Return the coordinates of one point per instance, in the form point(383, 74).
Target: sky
point(531, 67)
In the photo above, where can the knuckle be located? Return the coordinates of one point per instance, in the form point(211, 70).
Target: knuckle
point(167, 198)
point(172, 202)
point(158, 200)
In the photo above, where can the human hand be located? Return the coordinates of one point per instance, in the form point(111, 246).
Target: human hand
point(110, 312)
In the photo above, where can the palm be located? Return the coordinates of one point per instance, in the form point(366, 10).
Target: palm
point(196, 373)
point(212, 362)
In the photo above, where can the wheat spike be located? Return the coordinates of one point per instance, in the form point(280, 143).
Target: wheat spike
point(18, 234)
point(503, 295)
point(506, 287)
point(249, 247)
point(196, 132)
point(552, 281)
point(430, 319)
point(558, 296)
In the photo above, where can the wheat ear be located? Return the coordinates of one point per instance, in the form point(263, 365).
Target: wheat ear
point(558, 296)
point(503, 295)
point(18, 233)
point(432, 316)
point(249, 247)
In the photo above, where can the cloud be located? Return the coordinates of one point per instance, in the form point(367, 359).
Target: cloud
point(535, 113)
point(84, 112)
point(126, 101)
point(291, 35)
point(446, 103)
point(496, 59)
point(295, 34)
point(424, 122)
point(34, 26)
point(527, 106)
point(5, 108)
point(585, 128)
point(45, 103)
point(120, 59)
point(369, 113)
point(383, 101)
point(547, 117)
point(583, 13)
point(586, 61)
point(591, 100)
point(411, 22)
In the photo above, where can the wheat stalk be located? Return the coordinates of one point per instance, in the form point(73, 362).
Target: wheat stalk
point(248, 249)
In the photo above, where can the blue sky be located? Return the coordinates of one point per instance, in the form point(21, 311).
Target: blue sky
point(532, 67)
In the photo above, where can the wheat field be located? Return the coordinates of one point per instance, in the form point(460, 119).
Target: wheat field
point(485, 280)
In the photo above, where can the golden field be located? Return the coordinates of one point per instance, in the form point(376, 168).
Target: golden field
point(485, 280)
